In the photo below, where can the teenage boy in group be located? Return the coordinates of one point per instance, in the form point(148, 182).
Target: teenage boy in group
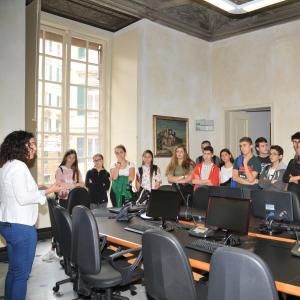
point(206, 172)
point(215, 158)
point(246, 167)
point(263, 152)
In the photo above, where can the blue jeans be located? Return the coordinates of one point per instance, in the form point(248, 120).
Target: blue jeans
point(21, 245)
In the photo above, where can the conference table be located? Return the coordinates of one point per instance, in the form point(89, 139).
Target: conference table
point(275, 251)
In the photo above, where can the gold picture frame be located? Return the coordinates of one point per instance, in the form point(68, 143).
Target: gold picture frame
point(169, 132)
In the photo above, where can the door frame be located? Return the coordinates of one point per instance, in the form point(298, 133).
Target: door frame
point(237, 108)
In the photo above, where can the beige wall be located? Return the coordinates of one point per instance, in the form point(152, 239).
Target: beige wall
point(124, 95)
point(258, 69)
point(175, 76)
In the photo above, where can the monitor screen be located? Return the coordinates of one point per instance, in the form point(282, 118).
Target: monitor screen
point(164, 204)
point(272, 205)
point(229, 192)
point(228, 214)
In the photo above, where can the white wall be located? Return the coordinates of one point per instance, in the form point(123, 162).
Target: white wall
point(260, 69)
point(12, 62)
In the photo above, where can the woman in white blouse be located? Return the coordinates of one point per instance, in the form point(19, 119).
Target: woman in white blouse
point(226, 164)
point(19, 199)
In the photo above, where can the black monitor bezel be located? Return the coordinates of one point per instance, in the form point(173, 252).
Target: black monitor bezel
point(222, 227)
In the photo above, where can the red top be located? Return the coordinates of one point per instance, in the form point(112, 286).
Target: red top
point(214, 175)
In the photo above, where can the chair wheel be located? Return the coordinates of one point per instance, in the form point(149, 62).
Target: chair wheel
point(55, 288)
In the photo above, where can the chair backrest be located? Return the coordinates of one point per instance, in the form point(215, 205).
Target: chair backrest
point(51, 205)
point(200, 198)
point(167, 272)
point(64, 224)
point(240, 275)
point(85, 241)
point(167, 187)
point(296, 207)
point(78, 196)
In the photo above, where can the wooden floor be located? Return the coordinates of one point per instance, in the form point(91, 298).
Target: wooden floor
point(45, 274)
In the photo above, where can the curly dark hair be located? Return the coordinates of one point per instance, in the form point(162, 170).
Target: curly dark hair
point(14, 147)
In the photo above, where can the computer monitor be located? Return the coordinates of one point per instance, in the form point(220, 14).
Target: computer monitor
point(228, 214)
point(271, 205)
point(164, 204)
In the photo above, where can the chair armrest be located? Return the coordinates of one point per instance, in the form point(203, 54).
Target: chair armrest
point(102, 242)
point(132, 267)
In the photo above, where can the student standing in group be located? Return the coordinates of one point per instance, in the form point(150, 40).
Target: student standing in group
point(199, 159)
point(247, 166)
point(122, 173)
point(68, 176)
point(295, 138)
point(207, 172)
point(180, 167)
point(226, 165)
point(97, 181)
point(292, 173)
point(19, 199)
point(148, 175)
point(272, 175)
point(263, 152)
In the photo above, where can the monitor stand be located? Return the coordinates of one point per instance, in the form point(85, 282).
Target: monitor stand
point(268, 228)
point(166, 227)
point(231, 240)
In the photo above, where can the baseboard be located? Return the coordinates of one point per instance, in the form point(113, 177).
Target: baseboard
point(42, 234)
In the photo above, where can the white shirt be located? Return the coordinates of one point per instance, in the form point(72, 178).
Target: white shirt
point(205, 171)
point(226, 173)
point(146, 182)
point(19, 194)
point(125, 171)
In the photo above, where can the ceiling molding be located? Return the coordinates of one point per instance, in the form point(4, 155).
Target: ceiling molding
point(194, 17)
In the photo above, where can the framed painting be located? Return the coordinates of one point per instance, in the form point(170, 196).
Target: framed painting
point(169, 132)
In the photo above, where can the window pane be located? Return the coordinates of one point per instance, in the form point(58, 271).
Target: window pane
point(53, 94)
point(40, 93)
point(92, 122)
point(52, 120)
point(89, 163)
point(93, 99)
point(77, 121)
point(93, 77)
point(92, 146)
point(77, 97)
point(53, 69)
point(41, 42)
point(40, 118)
point(77, 73)
point(39, 145)
point(78, 49)
point(81, 167)
point(52, 145)
point(40, 67)
point(50, 167)
point(77, 143)
point(53, 44)
point(94, 49)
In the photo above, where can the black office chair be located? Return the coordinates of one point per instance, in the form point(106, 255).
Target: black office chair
point(167, 272)
point(201, 198)
point(240, 275)
point(296, 207)
point(78, 196)
point(54, 228)
point(167, 187)
point(64, 223)
point(102, 275)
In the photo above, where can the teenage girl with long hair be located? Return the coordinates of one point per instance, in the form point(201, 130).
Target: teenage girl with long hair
point(68, 176)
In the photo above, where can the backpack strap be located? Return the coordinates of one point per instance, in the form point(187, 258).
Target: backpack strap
point(141, 172)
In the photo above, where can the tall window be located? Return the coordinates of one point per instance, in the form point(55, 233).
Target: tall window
point(68, 100)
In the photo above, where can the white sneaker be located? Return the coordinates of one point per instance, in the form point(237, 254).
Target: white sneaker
point(50, 256)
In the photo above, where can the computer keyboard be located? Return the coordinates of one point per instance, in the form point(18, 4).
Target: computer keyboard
point(204, 245)
point(140, 228)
